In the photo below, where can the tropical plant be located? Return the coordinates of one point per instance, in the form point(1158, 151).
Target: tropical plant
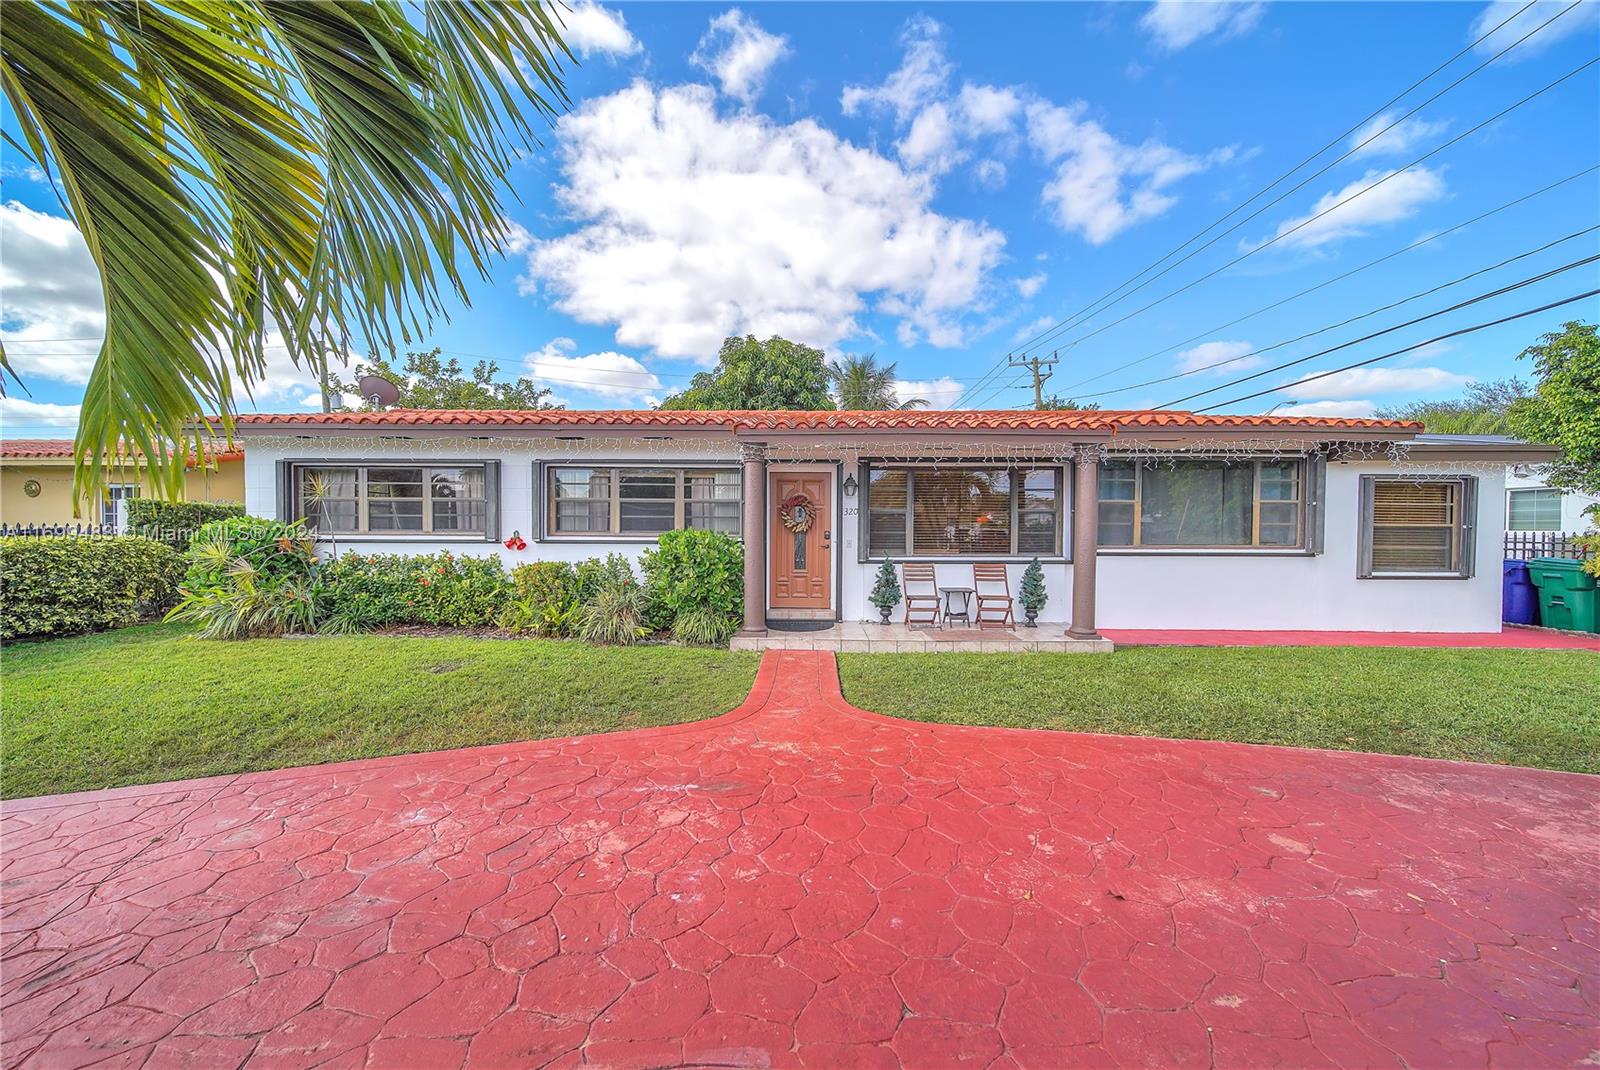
point(861, 383)
point(382, 590)
point(248, 605)
point(324, 171)
point(703, 626)
point(615, 614)
point(426, 381)
point(1564, 408)
point(1057, 403)
point(886, 590)
point(593, 573)
point(775, 374)
point(689, 569)
point(1485, 409)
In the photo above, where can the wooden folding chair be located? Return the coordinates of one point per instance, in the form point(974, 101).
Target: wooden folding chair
point(992, 591)
point(921, 595)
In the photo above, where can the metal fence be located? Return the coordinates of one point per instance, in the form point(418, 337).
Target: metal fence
point(1528, 544)
point(12, 531)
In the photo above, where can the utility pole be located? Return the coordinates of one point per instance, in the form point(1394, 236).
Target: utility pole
point(1039, 367)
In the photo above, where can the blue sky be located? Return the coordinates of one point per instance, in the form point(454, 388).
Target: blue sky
point(936, 185)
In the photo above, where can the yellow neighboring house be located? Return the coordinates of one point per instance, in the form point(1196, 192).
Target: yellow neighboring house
point(36, 483)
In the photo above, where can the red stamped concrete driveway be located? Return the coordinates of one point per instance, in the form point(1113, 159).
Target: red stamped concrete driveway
point(802, 884)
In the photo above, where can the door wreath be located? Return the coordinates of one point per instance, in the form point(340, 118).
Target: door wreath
point(796, 513)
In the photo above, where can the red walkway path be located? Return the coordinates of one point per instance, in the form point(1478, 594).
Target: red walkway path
point(798, 883)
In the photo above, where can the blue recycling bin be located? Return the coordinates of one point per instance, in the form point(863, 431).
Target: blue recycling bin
point(1519, 598)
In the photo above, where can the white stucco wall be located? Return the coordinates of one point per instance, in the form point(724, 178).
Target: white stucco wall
point(1572, 503)
point(1137, 589)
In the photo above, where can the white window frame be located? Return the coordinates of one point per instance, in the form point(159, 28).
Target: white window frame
point(615, 469)
point(1511, 495)
point(1465, 529)
point(111, 503)
point(1305, 487)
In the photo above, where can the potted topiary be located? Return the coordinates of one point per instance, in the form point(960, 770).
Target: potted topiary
point(1032, 595)
point(886, 592)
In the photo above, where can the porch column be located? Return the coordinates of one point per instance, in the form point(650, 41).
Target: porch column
point(1085, 539)
point(754, 528)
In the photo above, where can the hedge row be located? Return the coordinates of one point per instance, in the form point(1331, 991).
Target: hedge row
point(61, 584)
point(175, 523)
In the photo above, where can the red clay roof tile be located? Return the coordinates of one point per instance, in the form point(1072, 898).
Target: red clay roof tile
point(55, 448)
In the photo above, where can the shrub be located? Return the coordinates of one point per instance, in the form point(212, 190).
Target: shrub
point(594, 573)
point(691, 569)
point(545, 582)
point(249, 577)
point(57, 585)
point(360, 590)
point(886, 590)
point(1032, 595)
point(701, 626)
point(175, 523)
point(614, 615)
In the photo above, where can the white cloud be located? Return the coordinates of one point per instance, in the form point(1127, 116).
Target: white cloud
point(1103, 186)
point(738, 53)
point(1358, 408)
point(1399, 137)
point(693, 226)
point(987, 109)
point(51, 310)
point(1402, 195)
point(615, 376)
point(921, 77)
point(1031, 329)
point(990, 174)
point(591, 29)
point(1177, 24)
point(28, 416)
point(1208, 353)
point(931, 143)
point(1031, 285)
point(1573, 22)
point(1358, 381)
point(940, 393)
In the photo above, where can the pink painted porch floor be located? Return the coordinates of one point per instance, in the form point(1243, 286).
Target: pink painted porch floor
point(798, 883)
point(1510, 637)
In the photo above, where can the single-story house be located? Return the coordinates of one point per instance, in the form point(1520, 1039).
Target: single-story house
point(1533, 505)
point(1142, 519)
point(36, 483)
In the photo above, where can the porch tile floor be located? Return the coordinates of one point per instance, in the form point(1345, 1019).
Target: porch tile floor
point(855, 637)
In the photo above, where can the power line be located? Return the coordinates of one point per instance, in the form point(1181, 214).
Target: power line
point(1331, 208)
point(1265, 189)
point(1501, 291)
point(1408, 247)
point(1317, 174)
point(1346, 322)
point(1407, 349)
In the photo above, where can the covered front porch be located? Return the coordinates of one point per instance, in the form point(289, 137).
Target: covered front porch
point(853, 637)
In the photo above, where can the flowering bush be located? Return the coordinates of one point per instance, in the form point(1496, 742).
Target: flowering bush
point(376, 590)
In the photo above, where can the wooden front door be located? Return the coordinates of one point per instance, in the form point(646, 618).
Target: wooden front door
point(801, 561)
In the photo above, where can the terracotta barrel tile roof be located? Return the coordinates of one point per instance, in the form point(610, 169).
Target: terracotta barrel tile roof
point(61, 448)
point(787, 420)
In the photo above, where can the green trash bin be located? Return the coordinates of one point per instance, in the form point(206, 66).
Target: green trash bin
point(1566, 594)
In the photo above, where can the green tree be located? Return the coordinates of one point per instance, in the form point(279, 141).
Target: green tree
point(1057, 403)
point(428, 382)
point(328, 170)
point(1484, 410)
point(775, 374)
point(862, 384)
point(1564, 408)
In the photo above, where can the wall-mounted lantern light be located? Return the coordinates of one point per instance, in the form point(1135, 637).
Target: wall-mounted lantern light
point(850, 486)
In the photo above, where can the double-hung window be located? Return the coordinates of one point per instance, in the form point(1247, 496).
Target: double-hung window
point(1417, 526)
point(1202, 503)
point(394, 499)
point(960, 511)
point(626, 502)
point(1533, 509)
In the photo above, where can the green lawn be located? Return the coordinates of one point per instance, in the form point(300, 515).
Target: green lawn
point(148, 704)
point(1518, 707)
